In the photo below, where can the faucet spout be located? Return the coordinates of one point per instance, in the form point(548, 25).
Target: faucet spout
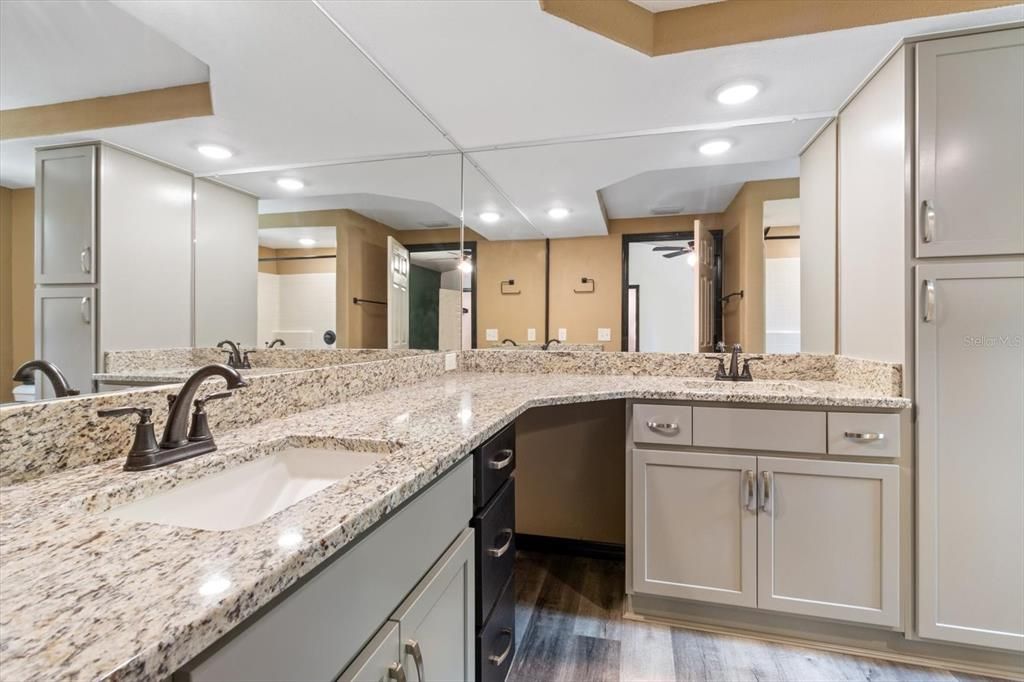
point(734, 362)
point(61, 388)
point(547, 344)
point(178, 420)
point(235, 360)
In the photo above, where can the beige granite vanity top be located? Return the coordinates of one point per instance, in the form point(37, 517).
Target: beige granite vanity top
point(92, 597)
point(173, 375)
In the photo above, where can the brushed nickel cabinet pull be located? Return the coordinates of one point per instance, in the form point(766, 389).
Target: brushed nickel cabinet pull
point(927, 221)
point(766, 492)
point(502, 463)
point(85, 259)
point(500, 658)
point(667, 428)
point(864, 437)
point(749, 494)
point(929, 301)
point(396, 673)
point(86, 312)
point(497, 552)
point(412, 647)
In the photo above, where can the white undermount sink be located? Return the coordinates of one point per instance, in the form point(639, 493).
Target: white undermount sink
point(249, 493)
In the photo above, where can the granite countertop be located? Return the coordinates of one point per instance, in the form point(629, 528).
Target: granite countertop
point(172, 375)
point(94, 597)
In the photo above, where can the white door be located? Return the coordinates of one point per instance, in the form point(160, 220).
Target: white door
point(970, 453)
point(828, 539)
point(398, 295)
point(704, 289)
point(378, 660)
point(970, 144)
point(65, 216)
point(437, 621)
point(65, 335)
point(694, 526)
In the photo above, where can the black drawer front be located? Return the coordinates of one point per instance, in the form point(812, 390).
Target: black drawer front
point(495, 528)
point(494, 462)
point(496, 641)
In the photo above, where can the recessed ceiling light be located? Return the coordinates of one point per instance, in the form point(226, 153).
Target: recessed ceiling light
point(307, 241)
point(214, 151)
point(737, 93)
point(490, 216)
point(465, 266)
point(558, 213)
point(715, 147)
point(291, 184)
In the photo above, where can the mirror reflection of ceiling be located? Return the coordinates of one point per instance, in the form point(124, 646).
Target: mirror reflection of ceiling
point(312, 237)
point(439, 261)
point(549, 114)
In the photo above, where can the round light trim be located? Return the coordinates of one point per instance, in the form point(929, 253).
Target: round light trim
point(290, 184)
point(558, 213)
point(737, 93)
point(214, 151)
point(490, 216)
point(715, 147)
point(307, 241)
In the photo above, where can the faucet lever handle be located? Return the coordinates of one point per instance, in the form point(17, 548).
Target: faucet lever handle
point(200, 403)
point(144, 412)
point(145, 439)
point(199, 431)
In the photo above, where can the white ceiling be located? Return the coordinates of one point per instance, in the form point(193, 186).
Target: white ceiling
point(666, 5)
point(697, 189)
point(439, 261)
point(781, 213)
point(92, 49)
point(326, 237)
point(292, 95)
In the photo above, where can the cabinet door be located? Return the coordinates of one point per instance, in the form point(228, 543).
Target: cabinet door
point(378, 660)
point(828, 539)
point(66, 216)
point(65, 323)
point(694, 526)
point(970, 142)
point(970, 453)
point(436, 621)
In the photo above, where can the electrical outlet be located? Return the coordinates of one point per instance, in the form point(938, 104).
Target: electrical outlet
point(451, 361)
point(604, 334)
point(492, 334)
point(562, 334)
point(531, 334)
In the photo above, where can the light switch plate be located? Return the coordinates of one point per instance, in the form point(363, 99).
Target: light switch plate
point(604, 334)
point(531, 334)
point(562, 334)
point(451, 361)
point(492, 334)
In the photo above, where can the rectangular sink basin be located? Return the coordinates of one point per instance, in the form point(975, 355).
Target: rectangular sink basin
point(248, 493)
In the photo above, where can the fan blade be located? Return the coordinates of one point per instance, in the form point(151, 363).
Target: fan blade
point(668, 248)
point(677, 254)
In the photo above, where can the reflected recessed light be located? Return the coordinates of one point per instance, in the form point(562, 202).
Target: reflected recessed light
point(289, 539)
point(490, 216)
point(307, 241)
point(465, 266)
point(290, 183)
point(214, 151)
point(215, 584)
point(691, 259)
point(715, 147)
point(558, 213)
point(737, 93)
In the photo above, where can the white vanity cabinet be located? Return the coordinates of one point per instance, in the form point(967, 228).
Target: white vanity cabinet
point(801, 535)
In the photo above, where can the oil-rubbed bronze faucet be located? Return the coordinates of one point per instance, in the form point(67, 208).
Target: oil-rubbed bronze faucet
point(734, 373)
point(508, 342)
point(276, 342)
point(179, 441)
point(236, 358)
point(547, 344)
point(61, 388)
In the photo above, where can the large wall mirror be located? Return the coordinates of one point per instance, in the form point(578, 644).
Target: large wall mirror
point(214, 191)
point(673, 242)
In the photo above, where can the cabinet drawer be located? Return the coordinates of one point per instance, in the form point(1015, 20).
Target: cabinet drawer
point(747, 429)
point(668, 424)
point(494, 462)
point(495, 548)
point(496, 643)
point(863, 434)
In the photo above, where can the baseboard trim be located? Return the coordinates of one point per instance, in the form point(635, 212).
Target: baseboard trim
point(886, 655)
point(572, 547)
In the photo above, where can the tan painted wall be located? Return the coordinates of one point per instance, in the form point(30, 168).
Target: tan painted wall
point(297, 267)
point(269, 267)
point(743, 222)
point(570, 476)
point(511, 315)
point(17, 309)
point(598, 258)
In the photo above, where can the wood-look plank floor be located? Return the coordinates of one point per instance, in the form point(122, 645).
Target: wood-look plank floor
point(569, 628)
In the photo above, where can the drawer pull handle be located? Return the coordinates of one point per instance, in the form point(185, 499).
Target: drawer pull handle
point(500, 658)
point(766, 492)
point(502, 463)
point(85, 259)
point(412, 647)
point(864, 437)
point(748, 491)
point(663, 427)
point(396, 673)
point(927, 221)
point(498, 552)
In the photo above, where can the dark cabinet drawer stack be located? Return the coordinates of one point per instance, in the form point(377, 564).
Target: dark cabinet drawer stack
point(494, 499)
